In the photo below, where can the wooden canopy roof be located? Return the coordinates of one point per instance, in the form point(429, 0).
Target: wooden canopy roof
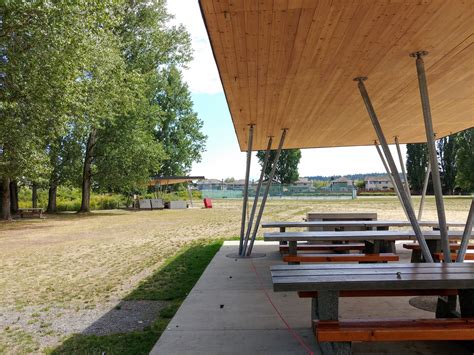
point(171, 180)
point(291, 63)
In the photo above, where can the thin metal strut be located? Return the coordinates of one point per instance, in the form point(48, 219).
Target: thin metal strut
point(430, 140)
point(246, 189)
point(267, 189)
point(257, 193)
point(402, 166)
point(425, 188)
point(466, 235)
point(390, 176)
point(396, 176)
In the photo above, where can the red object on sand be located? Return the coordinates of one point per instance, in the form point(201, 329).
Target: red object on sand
point(207, 203)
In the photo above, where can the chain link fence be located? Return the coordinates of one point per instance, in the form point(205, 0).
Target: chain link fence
point(279, 191)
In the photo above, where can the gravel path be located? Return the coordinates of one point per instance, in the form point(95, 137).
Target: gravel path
point(50, 325)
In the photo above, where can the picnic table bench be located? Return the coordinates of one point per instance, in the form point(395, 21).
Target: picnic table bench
point(30, 211)
point(416, 251)
point(345, 223)
point(326, 283)
point(375, 241)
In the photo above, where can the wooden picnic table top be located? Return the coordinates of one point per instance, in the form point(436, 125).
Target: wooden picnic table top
point(345, 223)
point(339, 277)
point(24, 209)
point(355, 235)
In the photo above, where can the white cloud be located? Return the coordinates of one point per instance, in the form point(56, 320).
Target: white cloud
point(202, 75)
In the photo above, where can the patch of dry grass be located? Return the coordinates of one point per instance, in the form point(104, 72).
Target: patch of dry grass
point(76, 262)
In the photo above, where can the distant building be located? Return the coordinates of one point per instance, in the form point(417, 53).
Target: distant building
point(380, 183)
point(209, 184)
point(341, 182)
point(303, 182)
point(237, 185)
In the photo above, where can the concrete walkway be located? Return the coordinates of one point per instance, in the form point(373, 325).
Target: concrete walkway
point(233, 310)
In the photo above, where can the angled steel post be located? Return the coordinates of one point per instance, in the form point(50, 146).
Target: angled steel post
point(396, 176)
point(466, 235)
point(246, 189)
point(190, 195)
point(430, 140)
point(425, 188)
point(402, 166)
point(257, 192)
point(267, 189)
point(390, 176)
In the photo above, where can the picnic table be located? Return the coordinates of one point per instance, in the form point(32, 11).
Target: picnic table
point(375, 241)
point(329, 281)
point(378, 224)
point(30, 211)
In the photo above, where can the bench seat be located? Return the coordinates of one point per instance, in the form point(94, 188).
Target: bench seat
point(337, 258)
point(416, 246)
point(394, 330)
point(27, 212)
point(383, 293)
point(284, 249)
point(440, 256)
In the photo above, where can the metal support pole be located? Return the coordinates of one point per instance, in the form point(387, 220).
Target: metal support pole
point(267, 189)
point(430, 140)
point(466, 234)
point(246, 189)
point(390, 176)
point(425, 188)
point(402, 166)
point(190, 196)
point(257, 192)
point(391, 163)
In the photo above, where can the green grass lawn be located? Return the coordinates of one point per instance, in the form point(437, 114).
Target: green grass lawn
point(172, 282)
point(60, 274)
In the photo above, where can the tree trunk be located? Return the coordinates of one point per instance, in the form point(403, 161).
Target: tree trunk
point(34, 195)
point(14, 196)
point(52, 198)
point(87, 173)
point(1, 198)
point(6, 214)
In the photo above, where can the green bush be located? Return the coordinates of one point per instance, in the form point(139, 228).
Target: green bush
point(69, 199)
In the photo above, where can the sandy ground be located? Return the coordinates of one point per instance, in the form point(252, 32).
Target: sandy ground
point(61, 274)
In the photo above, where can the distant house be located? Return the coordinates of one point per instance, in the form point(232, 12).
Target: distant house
point(209, 184)
point(237, 185)
point(380, 183)
point(303, 182)
point(341, 182)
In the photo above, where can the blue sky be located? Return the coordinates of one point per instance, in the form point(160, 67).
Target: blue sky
point(222, 157)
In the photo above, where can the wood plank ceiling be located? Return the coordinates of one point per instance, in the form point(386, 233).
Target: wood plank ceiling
point(290, 64)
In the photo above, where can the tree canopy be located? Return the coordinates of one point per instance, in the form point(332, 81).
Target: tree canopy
point(91, 95)
point(287, 166)
point(455, 161)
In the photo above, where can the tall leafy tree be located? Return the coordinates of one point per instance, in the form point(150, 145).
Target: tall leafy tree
point(41, 47)
point(126, 155)
point(106, 95)
point(178, 127)
point(287, 166)
point(417, 158)
point(447, 150)
point(465, 160)
point(65, 154)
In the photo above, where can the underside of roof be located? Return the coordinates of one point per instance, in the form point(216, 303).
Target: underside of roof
point(171, 180)
point(291, 63)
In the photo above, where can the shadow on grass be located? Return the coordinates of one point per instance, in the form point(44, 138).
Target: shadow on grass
point(171, 282)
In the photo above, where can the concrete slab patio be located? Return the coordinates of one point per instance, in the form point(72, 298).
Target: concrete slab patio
point(233, 310)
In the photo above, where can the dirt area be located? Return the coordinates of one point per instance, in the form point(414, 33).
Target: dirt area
point(62, 274)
